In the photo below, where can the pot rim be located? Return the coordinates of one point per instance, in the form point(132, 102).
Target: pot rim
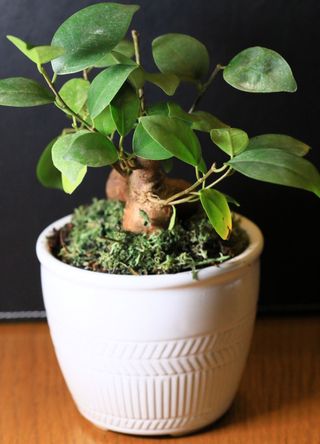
point(120, 281)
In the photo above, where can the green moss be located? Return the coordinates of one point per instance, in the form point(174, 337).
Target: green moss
point(95, 241)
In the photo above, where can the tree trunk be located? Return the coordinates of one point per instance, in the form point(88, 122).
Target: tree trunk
point(143, 213)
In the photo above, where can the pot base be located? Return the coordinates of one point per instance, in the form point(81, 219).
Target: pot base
point(203, 422)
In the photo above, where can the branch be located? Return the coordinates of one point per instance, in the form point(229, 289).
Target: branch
point(135, 39)
point(61, 101)
point(205, 86)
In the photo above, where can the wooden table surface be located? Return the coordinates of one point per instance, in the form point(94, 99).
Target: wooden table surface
point(278, 401)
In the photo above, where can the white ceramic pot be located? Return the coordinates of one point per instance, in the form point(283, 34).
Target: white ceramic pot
point(152, 355)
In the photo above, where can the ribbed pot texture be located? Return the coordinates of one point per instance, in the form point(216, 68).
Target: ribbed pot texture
point(152, 355)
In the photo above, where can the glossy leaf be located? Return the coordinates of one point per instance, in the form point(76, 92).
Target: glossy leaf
point(38, 54)
point(105, 86)
point(70, 187)
point(200, 120)
point(217, 209)
point(174, 136)
point(231, 200)
point(202, 166)
point(167, 82)
point(181, 55)
point(146, 147)
point(72, 172)
point(231, 140)
point(93, 150)
point(22, 92)
point(279, 167)
point(47, 173)
point(260, 70)
point(158, 109)
point(75, 93)
point(177, 112)
point(204, 121)
point(125, 48)
point(104, 122)
point(125, 109)
point(279, 141)
point(90, 34)
point(137, 78)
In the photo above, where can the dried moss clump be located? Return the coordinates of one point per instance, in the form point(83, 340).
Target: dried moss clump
point(95, 241)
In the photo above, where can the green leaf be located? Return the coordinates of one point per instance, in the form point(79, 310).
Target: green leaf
point(203, 121)
point(47, 173)
point(105, 86)
point(22, 92)
point(181, 55)
point(167, 82)
point(146, 147)
point(90, 34)
point(92, 149)
point(158, 109)
point(175, 136)
point(279, 141)
point(177, 112)
point(231, 200)
point(38, 54)
point(260, 70)
point(72, 172)
point(217, 209)
point(172, 219)
point(125, 109)
point(231, 140)
point(125, 48)
point(75, 93)
point(200, 120)
point(279, 167)
point(104, 122)
point(136, 78)
point(202, 166)
point(121, 59)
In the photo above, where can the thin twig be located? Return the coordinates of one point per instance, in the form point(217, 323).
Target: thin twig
point(195, 185)
point(205, 86)
point(61, 102)
point(189, 199)
point(135, 39)
point(220, 178)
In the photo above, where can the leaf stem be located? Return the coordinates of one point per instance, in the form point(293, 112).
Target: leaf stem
point(60, 101)
point(205, 86)
point(135, 39)
point(85, 74)
point(189, 199)
point(121, 147)
point(220, 178)
point(191, 188)
point(179, 197)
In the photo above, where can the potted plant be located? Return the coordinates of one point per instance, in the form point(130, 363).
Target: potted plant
point(151, 295)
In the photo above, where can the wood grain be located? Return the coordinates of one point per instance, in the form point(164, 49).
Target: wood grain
point(278, 401)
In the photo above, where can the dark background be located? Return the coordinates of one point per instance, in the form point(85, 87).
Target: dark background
point(288, 217)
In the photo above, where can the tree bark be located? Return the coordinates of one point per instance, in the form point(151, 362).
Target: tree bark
point(142, 212)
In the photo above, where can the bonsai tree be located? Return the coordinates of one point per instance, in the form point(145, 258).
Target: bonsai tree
point(111, 122)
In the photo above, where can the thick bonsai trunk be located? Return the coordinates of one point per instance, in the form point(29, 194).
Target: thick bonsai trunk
point(143, 211)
